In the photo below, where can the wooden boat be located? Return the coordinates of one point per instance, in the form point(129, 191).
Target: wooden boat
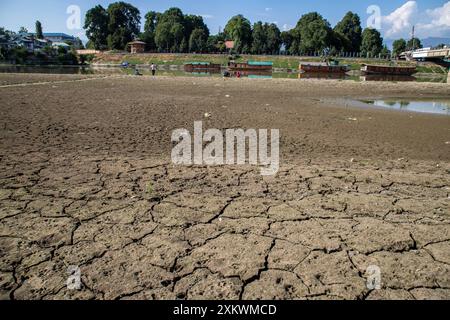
point(388, 70)
point(387, 77)
point(322, 67)
point(251, 73)
point(262, 66)
point(202, 67)
point(322, 75)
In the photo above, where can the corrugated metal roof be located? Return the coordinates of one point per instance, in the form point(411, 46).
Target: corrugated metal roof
point(57, 34)
point(137, 42)
point(260, 63)
point(198, 63)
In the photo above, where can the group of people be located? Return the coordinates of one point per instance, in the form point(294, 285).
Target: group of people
point(153, 68)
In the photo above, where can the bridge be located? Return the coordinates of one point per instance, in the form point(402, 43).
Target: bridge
point(427, 54)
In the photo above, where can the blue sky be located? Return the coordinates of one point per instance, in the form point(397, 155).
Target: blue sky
point(431, 17)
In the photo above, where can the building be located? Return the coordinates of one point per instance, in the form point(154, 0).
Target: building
point(87, 51)
point(59, 37)
point(137, 46)
point(61, 45)
point(229, 44)
point(29, 42)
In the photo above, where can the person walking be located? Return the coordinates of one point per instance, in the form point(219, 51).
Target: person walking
point(153, 68)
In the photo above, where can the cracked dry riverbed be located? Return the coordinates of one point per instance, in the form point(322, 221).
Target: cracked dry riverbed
point(86, 180)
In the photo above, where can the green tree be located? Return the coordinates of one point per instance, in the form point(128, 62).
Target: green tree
point(23, 30)
point(173, 31)
point(170, 31)
point(216, 43)
point(96, 26)
point(163, 36)
point(273, 37)
point(148, 36)
point(19, 54)
point(286, 40)
point(39, 33)
point(173, 15)
point(314, 31)
point(385, 52)
point(198, 41)
point(151, 20)
point(184, 45)
point(296, 37)
point(239, 30)
point(193, 22)
point(339, 43)
point(6, 34)
point(259, 38)
point(350, 29)
point(398, 47)
point(123, 24)
point(414, 44)
point(372, 42)
point(179, 41)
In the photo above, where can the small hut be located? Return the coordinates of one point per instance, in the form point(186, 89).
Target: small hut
point(137, 46)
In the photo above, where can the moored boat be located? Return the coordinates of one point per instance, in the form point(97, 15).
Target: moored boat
point(388, 70)
point(263, 66)
point(387, 77)
point(322, 75)
point(322, 67)
point(201, 67)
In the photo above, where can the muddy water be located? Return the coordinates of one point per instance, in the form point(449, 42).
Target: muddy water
point(425, 106)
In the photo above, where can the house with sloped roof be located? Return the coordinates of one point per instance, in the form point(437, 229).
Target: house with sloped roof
point(63, 38)
point(59, 37)
point(28, 41)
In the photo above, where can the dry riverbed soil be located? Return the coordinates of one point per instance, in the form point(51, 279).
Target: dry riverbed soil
point(86, 180)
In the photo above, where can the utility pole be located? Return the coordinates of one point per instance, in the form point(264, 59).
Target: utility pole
point(413, 38)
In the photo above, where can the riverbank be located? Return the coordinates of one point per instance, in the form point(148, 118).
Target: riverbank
point(279, 62)
point(178, 70)
point(86, 180)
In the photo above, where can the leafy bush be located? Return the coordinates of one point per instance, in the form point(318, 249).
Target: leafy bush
point(86, 58)
point(18, 54)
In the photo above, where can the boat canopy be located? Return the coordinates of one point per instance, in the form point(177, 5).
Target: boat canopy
point(260, 63)
point(198, 63)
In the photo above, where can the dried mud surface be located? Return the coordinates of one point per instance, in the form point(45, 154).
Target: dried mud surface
point(86, 180)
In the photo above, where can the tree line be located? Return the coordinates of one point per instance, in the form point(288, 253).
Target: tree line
point(173, 31)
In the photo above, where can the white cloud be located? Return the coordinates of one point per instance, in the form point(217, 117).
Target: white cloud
point(268, 9)
point(440, 16)
point(429, 23)
point(286, 27)
point(438, 23)
point(207, 16)
point(400, 20)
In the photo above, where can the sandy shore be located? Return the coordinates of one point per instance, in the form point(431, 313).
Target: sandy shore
point(86, 180)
